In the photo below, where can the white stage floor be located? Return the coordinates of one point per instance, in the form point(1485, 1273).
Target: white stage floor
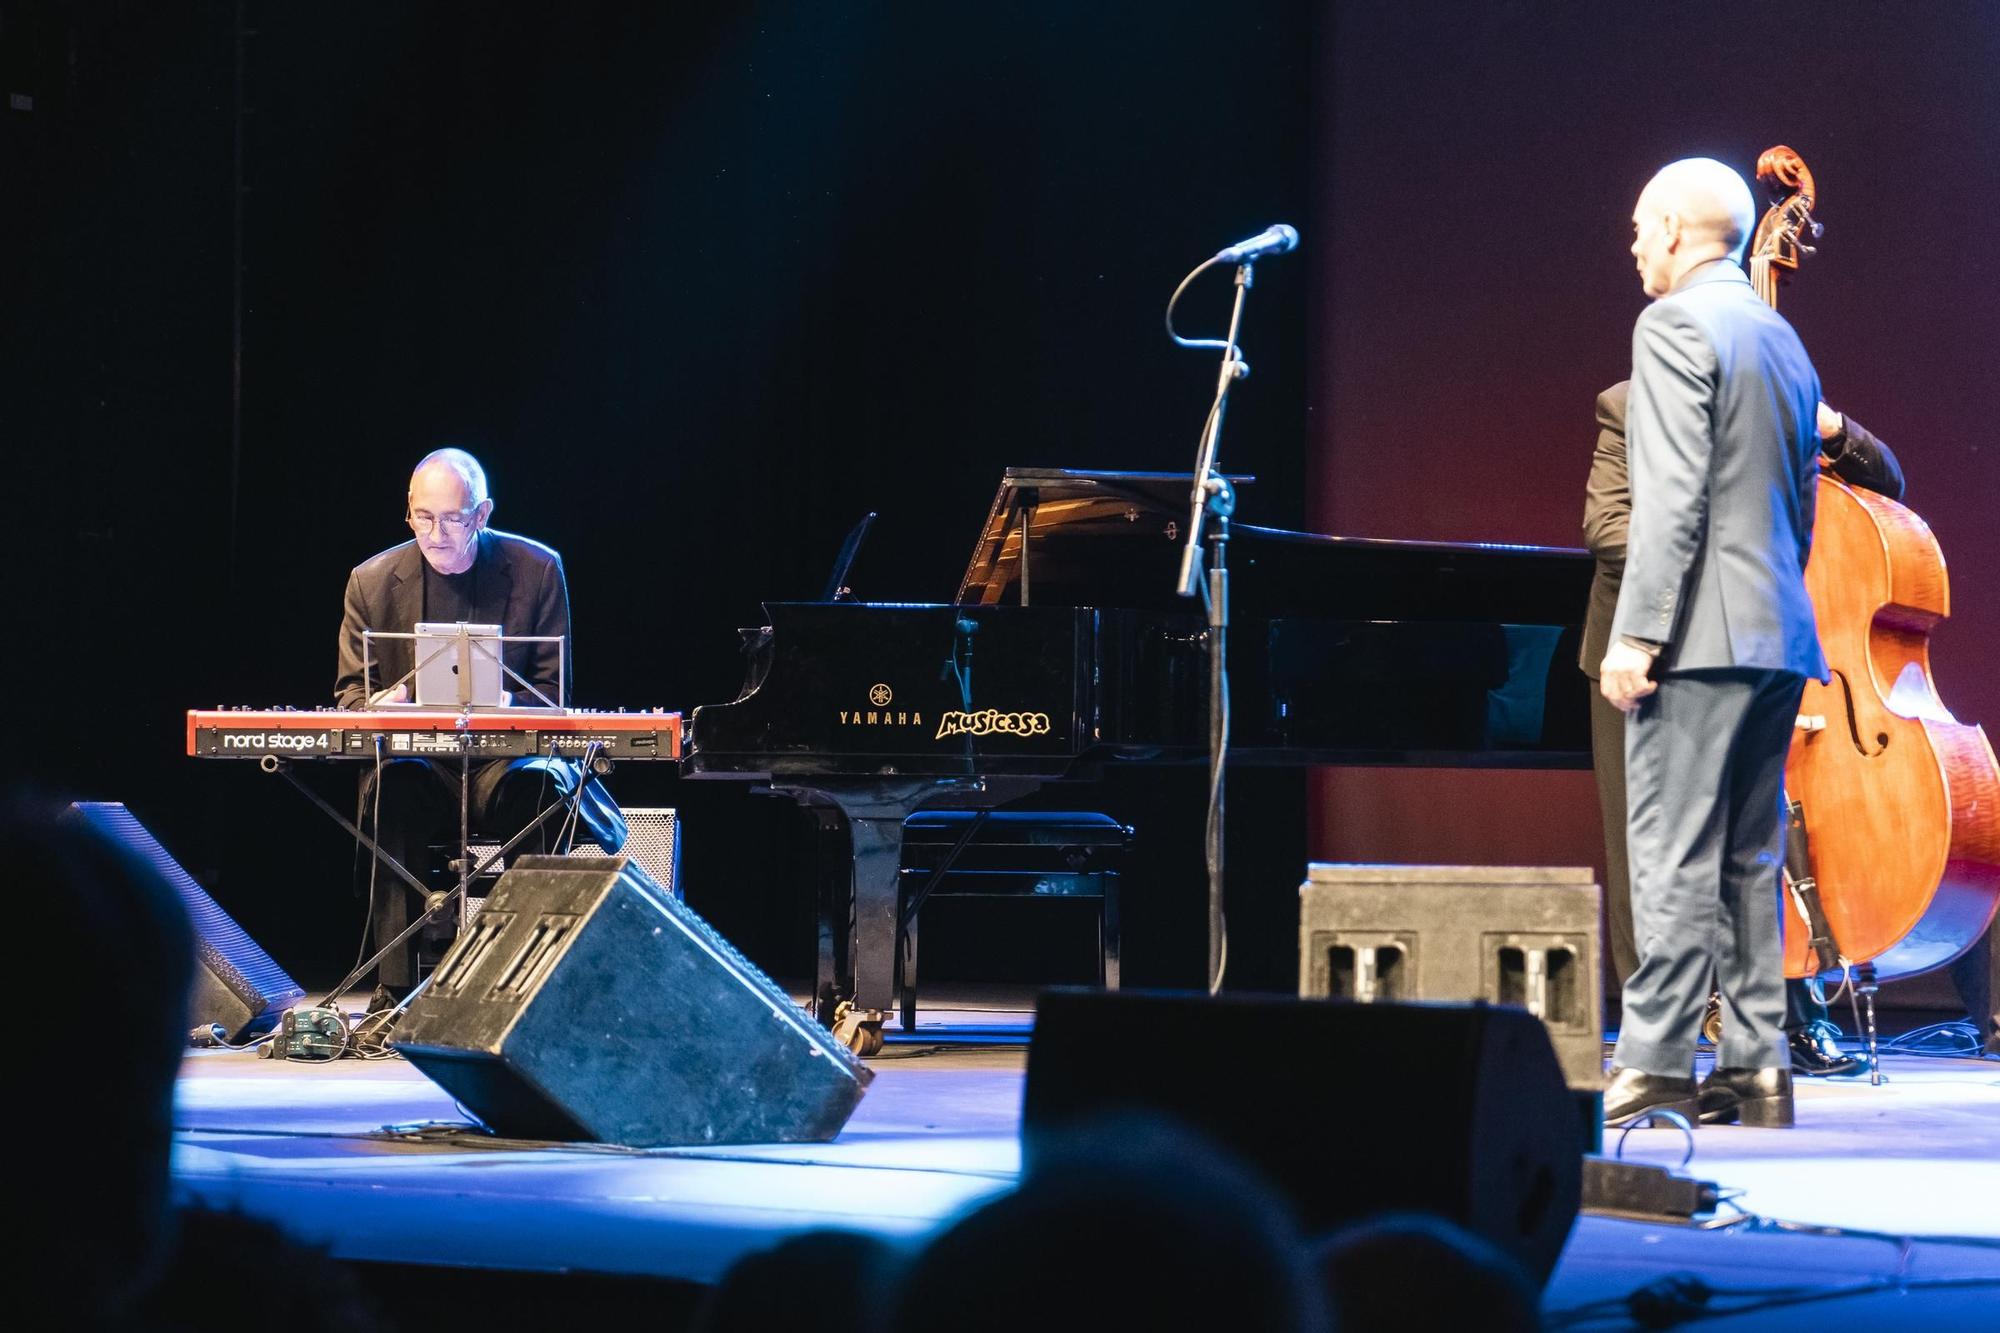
point(304, 1145)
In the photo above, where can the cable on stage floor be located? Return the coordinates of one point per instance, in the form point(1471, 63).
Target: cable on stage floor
point(1683, 1298)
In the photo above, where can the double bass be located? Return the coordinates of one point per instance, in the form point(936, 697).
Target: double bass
point(1899, 800)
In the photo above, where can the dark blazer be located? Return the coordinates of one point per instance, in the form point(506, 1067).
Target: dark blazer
point(1853, 455)
point(520, 588)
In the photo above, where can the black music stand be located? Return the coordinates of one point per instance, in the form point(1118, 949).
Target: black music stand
point(836, 583)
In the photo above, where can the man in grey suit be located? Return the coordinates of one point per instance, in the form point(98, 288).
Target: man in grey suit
point(1712, 640)
point(1848, 451)
point(456, 568)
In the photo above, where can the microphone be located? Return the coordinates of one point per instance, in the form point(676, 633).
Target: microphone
point(1275, 240)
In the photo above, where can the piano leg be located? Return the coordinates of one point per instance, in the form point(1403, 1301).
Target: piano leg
point(878, 862)
point(874, 812)
point(833, 901)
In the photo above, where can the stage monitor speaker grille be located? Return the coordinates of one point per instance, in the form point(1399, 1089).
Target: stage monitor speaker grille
point(237, 986)
point(1521, 936)
point(586, 1003)
point(1351, 1110)
point(653, 839)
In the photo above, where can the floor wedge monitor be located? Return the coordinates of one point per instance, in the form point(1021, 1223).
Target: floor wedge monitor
point(1352, 1110)
point(586, 1003)
point(237, 986)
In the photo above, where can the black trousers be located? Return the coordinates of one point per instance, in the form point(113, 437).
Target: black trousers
point(1607, 754)
point(419, 810)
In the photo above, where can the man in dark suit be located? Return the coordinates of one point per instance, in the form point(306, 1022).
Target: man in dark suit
point(1850, 453)
point(456, 568)
point(1712, 640)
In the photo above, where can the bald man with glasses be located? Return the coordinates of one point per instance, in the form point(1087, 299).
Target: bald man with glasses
point(457, 568)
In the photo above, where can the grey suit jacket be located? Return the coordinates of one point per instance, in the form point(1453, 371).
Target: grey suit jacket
point(520, 588)
point(1723, 454)
point(1853, 454)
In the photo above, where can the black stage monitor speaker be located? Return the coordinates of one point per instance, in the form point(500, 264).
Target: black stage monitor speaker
point(237, 986)
point(1350, 1109)
point(585, 1002)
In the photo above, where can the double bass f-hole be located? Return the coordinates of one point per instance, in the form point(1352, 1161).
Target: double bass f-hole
point(1854, 721)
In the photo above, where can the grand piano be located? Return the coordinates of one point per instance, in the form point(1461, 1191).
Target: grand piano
point(1068, 650)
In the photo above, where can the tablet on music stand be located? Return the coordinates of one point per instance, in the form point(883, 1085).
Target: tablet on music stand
point(439, 646)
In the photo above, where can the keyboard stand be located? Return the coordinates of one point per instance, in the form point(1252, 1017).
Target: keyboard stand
point(467, 871)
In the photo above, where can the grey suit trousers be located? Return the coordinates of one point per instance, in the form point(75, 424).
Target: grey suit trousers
point(1705, 771)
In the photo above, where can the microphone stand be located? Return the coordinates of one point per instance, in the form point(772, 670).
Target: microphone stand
point(1211, 506)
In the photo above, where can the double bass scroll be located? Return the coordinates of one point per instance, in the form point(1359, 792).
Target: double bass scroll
point(1782, 234)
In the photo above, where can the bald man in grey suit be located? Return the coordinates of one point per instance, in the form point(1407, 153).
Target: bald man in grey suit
point(1850, 452)
point(1712, 641)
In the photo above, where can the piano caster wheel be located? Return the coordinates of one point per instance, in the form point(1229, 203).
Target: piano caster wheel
point(860, 1030)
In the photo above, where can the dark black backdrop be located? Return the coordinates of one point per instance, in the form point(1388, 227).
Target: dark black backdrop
point(703, 287)
point(700, 285)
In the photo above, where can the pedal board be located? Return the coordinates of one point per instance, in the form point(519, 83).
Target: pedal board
point(307, 1033)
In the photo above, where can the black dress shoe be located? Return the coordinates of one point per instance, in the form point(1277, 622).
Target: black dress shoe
point(1761, 1098)
point(1633, 1095)
point(1814, 1054)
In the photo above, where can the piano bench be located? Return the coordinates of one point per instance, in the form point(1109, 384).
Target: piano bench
point(1025, 855)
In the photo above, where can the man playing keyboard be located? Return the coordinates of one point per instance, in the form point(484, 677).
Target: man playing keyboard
point(458, 569)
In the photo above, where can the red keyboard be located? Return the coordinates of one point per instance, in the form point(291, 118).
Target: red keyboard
point(333, 733)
